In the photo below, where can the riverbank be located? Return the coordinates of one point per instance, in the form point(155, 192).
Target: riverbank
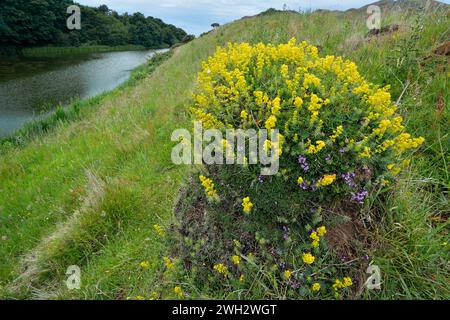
point(58, 51)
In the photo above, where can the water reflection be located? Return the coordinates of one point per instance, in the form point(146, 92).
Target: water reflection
point(42, 84)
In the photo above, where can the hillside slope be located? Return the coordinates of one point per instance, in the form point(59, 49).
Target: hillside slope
point(89, 192)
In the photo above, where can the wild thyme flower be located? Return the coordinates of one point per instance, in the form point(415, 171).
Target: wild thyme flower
point(348, 178)
point(303, 163)
point(360, 196)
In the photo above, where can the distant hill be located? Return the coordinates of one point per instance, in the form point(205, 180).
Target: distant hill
point(383, 4)
point(404, 4)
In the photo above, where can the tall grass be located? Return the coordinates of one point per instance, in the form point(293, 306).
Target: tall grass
point(56, 51)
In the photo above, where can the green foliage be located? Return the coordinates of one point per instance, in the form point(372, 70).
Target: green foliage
point(25, 24)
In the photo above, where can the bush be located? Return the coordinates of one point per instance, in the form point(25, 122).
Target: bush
point(338, 134)
point(339, 139)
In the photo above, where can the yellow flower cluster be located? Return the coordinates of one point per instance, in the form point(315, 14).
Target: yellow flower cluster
point(315, 287)
point(236, 260)
point(308, 258)
point(287, 274)
point(168, 262)
point(341, 284)
point(221, 268)
point(235, 73)
point(159, 230)
point(209, 187)
point(316, 148)
point(316, 235)
point(144, 264)
point(247, 205)
point(336, 133)
point(326, 180)
point(179, 292)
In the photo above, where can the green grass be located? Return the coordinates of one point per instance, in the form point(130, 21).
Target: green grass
point(57, 51)
point(88, 191)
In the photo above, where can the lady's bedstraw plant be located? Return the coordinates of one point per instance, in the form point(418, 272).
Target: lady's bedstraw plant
point(338, 137)
point(336, 130)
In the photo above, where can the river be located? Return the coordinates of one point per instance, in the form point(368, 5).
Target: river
point(31, 87)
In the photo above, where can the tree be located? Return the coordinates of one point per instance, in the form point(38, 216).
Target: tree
point(215, 25)
point(25, 23)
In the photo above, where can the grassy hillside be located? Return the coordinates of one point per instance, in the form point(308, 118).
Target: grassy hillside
point(88, 192)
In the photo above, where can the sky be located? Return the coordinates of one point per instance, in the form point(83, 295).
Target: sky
point(196, 16)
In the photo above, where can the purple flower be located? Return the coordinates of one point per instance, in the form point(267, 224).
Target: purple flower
point(341, 150)
point(260, 179)
point(303, 163)
point(360, 196)
point(303, 186)
point(348, 178)
point(328, 158)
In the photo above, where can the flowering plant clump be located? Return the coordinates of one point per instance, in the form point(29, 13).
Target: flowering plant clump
point(339, 137)
point(339, 134)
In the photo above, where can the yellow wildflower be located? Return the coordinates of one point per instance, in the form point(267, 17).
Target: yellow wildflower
point(276, 106)
point(144, 264)
point(314, 236)
point(236, 259)
point(316, 148)
point(244, 115)
point(271, 122)
point(178, 291)
point(221, 268)
point(168, 262)
point(315, 287)
point(326, 180)
point(298, 102)
point(287, 274)
point(347, 282)
point(209, 187)
point(247, 205)
point(159, 230)
point(321, 231)
point(308, 258)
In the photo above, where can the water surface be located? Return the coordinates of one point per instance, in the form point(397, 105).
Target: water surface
point(30, 87)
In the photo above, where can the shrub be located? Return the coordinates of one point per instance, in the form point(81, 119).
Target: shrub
point(339, 134)
point(339, 138)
